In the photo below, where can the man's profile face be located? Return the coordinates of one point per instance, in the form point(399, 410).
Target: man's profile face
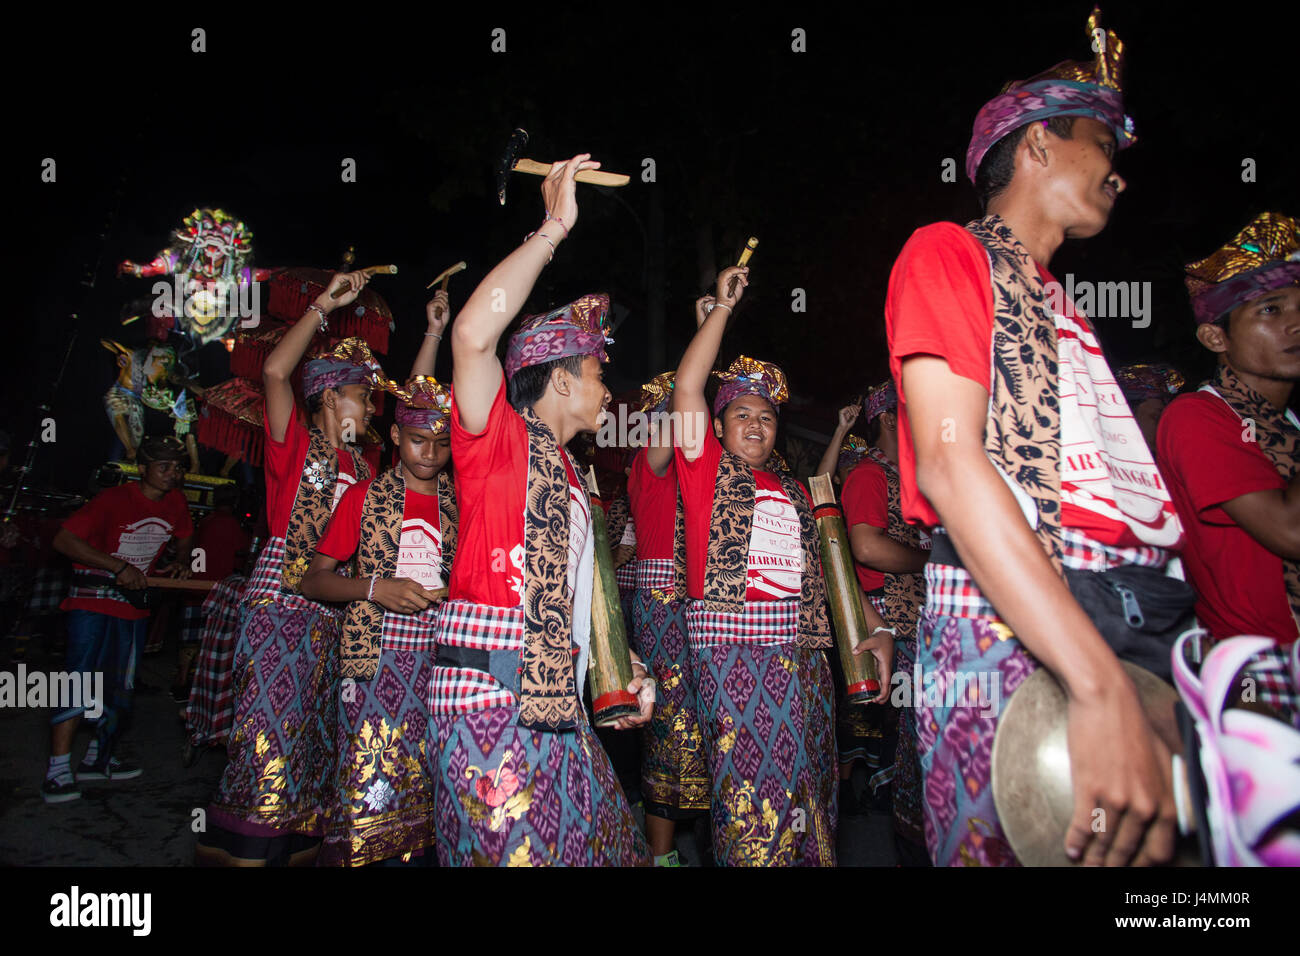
point(588, 395)
point(1081, 185)
point(352, 403)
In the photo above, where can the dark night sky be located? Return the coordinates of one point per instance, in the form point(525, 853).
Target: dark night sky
point(831, 157)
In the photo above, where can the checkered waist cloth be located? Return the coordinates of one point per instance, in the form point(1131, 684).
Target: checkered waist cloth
point(482, 627)
point(878, 602)
point(952, 592)
point(264, 586)
point(75, 590)
point(1277, 682)
point(761, 622)
point(654, 574)
point(410, 632)
point(626, 576)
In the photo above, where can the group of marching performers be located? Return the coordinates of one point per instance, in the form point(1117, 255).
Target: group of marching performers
point(414, 644)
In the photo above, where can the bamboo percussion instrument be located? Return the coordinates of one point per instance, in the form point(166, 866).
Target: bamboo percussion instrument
point(445, 275)
point(596, 177)
point(744, 261)
point(370, 271)
point(842, 593)
point(611, 662)
point(1032, 789)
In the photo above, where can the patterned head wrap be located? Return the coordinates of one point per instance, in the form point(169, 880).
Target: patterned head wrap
point(350, 363)
point(748, 376)
point(1068, 89)
point(657, 393)
point(1140, 382)
point(421, 403)
point(883, 398)
point(852, 451)
point(574, 329)
point(1262, 257)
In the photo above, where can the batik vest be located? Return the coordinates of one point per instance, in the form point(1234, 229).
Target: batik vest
point(312, 505)
point(378, 548)
point(1023, 433)
point(726, 564)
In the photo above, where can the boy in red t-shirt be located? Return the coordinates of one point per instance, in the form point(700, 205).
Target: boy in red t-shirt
point(401, 527)
point(115, 539)
point(1231, 450)
point(756, 623)
point(1020, 446)
point(521, 778)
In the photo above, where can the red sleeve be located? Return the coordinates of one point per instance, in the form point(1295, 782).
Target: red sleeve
point(373, 455)
point(87, 522)
point(696, 478)
point(940, 301)
point(284, 457)
point(344, 529)
point(477, 453)
point(182, 523)
point(1200, 443)
point(866, 496)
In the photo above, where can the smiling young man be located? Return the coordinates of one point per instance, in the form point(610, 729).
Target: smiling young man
point(1231, 450)
point(1017, 448)
point(402, 529)
point(280, 771)
point(520, 777)
point(757, 619)
point(115, 540)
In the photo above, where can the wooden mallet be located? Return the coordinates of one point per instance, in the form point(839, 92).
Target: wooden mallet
point(596, 177)
point(445, 275)
point(370, 271)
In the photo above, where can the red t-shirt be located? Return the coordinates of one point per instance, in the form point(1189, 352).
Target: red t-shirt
point(419, 549)
point(122, 522)
point(284, 463)
point(222, 538)
point(491, 488)
point(940, 302)
point(1239, 584)
point(866, 501)
point(775, 558)
point(653, 503)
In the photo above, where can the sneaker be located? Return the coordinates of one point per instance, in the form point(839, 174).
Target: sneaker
point(669, 859)
point(54, 792)
point(109, 768)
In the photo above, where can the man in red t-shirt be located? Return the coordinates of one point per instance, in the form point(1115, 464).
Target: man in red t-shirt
point(1025, 453)
point(525, 781)
point(1231, 450)
point(115, 539)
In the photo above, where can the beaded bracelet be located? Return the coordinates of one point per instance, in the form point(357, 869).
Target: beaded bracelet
point(324, 318)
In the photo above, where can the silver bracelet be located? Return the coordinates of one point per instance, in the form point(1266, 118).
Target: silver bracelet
point(434, 334)
point(718, 305)
point(324, 318)
point(370, 596)
point(548, 242)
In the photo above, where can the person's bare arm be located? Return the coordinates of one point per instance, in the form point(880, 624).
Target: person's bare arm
point(697, 362)
point(81, 551)
point(878, 551)
point(279, 365)
point(1117, 762)
point(321, 583)
point(831, 456)
point(476, 370)
point(1271, 517)
point(437, 311)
